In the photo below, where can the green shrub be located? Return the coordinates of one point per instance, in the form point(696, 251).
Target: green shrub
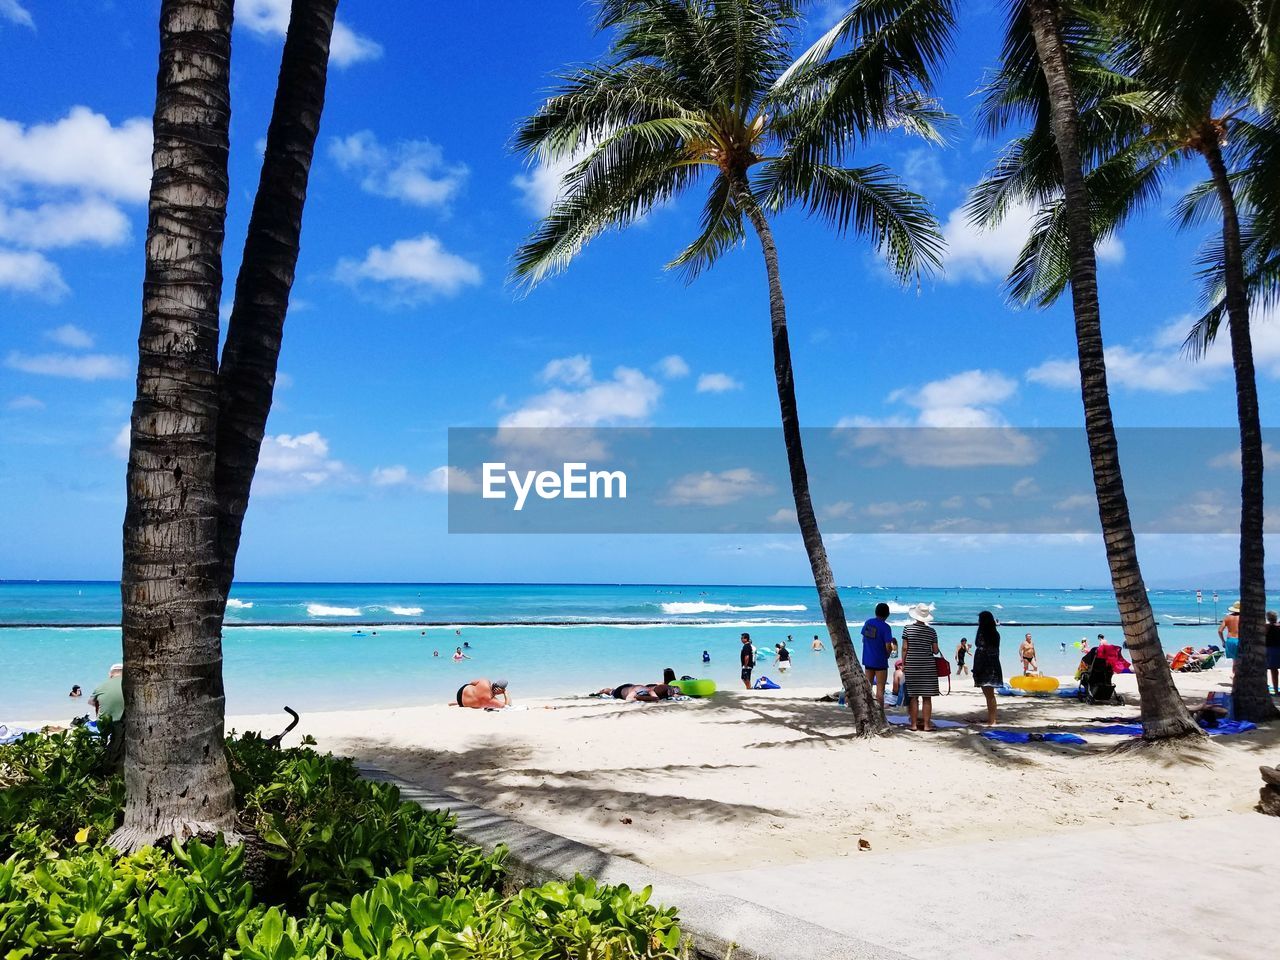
point(360, 875)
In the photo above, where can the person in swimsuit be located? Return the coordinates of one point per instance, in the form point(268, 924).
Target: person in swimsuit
point(706, 656)
point(483, 695)
point(962, 651)
point(459, 656)
point(1230, 623)
point(748, 660)
point(1027, 651)
point(643, 692)
point(817, 644)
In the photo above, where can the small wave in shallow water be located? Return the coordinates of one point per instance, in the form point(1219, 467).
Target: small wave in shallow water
point(699, 606)
point(235, 604)
point(323, 610)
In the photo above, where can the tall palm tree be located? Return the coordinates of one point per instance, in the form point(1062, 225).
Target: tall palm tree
point(175, 768)
point(1037, 56)
point(195, 428)
point(1142, 111)
point(693, 87)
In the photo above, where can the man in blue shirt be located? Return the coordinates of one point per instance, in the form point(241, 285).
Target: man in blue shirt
point(876, 641)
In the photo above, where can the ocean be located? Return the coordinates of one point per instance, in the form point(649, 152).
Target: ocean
point(330, 646)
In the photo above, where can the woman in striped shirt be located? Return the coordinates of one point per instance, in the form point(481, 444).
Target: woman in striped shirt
point(919, 650)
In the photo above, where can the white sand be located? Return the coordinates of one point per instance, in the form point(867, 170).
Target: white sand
point(750, 779)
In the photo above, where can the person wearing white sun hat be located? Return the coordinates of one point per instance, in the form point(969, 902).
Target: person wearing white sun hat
point(919, 650)
point(1231, 627)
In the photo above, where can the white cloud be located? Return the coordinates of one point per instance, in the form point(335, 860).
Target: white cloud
point(80, 366)
point(450, 480)
point(985, 255)
point(82, 151)
point(965, 399)
point(574, 371)
point(413, 171)
point(672, 367)
point(25, 402)
point(542, 186)
point(69, 335)
point(295, 462)
point(390, 476)
point(923, 172)
point(120, 443)
point(838, 510)
point(783, 515)
point(27, 272)
point(707, 489)
point(627, 397)
point(1076, 501)
point(412, 269)
point(15, 12)
point(50, 225)
point(271, 18)
point(1231, 459)
point(717, 383)
point(1025, 487)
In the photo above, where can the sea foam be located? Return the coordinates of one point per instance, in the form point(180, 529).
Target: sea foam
point(1088, 606)
point(406, 611)
point(699, 606)
point(321, 610)
point(235, 604)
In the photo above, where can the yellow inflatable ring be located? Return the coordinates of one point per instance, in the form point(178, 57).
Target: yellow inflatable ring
point(1035, 684)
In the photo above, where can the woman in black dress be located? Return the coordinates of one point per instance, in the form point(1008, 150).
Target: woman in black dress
point(986, 662)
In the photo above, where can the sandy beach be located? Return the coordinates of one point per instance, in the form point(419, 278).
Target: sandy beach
point(750, 779)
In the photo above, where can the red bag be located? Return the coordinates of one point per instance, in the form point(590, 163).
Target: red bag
point(944, 669)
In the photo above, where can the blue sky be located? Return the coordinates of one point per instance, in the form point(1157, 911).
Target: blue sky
point(403, 323)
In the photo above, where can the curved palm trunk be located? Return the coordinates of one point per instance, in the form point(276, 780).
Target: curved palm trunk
point(176, 776)
point(1163, 713)
point(1249, 683)
point(867, 716)
point(247, 377)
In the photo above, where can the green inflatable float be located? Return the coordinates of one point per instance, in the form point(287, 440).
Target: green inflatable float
point(696, 688)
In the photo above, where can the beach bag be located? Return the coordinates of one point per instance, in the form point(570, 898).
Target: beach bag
point(764, 683)
point(944, 669)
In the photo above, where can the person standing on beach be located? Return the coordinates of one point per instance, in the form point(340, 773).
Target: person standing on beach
point(877, 638)
point(919, 654)
point(962, 652)
point(987, 673)
point(1028, 654)
point(747, 657)
point(1230, 624)
point(1273, 649)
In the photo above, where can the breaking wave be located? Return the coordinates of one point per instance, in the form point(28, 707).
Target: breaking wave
point(322, 610)
point(699, 606)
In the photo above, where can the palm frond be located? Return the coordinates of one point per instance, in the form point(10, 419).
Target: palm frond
point(869, 201)
point(721, 229)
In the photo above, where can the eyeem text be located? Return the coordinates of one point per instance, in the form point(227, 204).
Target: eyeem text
point(574, 482)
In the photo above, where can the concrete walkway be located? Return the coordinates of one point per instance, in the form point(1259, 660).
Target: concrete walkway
point(1202, 888)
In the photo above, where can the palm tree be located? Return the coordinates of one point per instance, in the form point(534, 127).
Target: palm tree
point(176, 570)
point(1036, 59)
point(1142, 111)
point(701, 86)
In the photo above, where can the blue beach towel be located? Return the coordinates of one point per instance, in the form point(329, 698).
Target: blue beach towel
point(1224, 728)
point(764, 683)
point(1018, 736)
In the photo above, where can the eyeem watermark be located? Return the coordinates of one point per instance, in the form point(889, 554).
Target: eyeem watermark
point(573, 482)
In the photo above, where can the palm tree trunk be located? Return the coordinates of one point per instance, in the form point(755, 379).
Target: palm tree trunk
point(868, 718)
point(175, 770)
point(247, 377)
point(1163, 713)
point(1249, 683)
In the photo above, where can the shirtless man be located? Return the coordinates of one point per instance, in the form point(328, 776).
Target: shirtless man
point(483, 695)
point(1230, 623)
point(817, 644)
point(1027, 651)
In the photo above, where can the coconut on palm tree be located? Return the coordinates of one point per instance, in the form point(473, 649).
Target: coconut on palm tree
point(1035, 81)
point(698, 93)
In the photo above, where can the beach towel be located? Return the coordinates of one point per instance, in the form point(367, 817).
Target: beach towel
point(1224, 728)
point(1018, 736)
point(764, 683)
point(899, 720)
point(12, 734)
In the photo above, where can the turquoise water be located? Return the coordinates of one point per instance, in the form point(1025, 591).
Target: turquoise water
point(546, 640)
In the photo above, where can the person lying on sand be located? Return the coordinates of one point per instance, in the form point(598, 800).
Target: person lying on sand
point(483, 695)
point(644, 692)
